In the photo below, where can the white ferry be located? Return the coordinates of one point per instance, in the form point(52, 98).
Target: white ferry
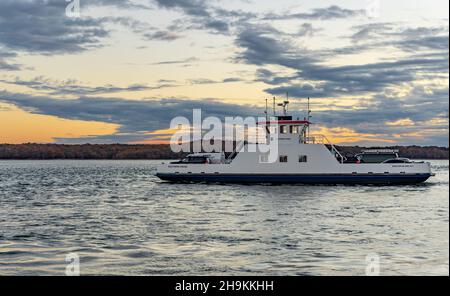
point(302, 158)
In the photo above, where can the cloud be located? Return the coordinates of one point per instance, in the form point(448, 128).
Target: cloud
point(200, 12)
point(232, 79)
point(205, 16)
point(162, 35)
point(269, 77)
point(390, 89)
point(400, 122)
point(135, 117)
point(144, 29)
point(5, 66)
point(126, 4)
point(261, 48)
point(73, 87)
point(41, 26)
point(359, 79)
point(211, 81)
point(407, 59)
point(307, 30)
point(420, 111)
point(190, 7)
point(327, 13)
point(426, 113)
point(6, 63)
point(175, 62)
point(425, 43)
point(407, 39)
point(370, 31)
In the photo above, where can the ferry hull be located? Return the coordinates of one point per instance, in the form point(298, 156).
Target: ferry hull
point(308, 179)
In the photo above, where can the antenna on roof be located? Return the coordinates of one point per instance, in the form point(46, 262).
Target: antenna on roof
point(284, 106)
point(309, 110)
point(286, 103)
point(309, 116)
point(265, 112)
point(274, 106)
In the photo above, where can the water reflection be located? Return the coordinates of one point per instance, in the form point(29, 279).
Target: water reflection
point(122, 220)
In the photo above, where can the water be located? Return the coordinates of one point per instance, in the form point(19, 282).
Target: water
point(121, 220)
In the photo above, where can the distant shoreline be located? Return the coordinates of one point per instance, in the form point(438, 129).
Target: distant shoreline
point(163, 152)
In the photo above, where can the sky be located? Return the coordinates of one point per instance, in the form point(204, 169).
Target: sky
point(118, 71)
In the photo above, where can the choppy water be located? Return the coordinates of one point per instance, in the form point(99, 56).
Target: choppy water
point(121, 220)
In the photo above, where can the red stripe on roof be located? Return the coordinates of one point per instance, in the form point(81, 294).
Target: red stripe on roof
point(286, 122)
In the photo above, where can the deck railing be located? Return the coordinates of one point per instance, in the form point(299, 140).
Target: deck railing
point(237, 149)
point(322, 139)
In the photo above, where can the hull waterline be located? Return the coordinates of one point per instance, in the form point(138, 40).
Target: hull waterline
point(308, 179)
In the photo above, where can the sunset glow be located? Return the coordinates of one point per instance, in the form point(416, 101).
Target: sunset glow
point(121, 71)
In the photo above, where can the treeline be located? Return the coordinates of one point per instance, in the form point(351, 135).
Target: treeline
point(122, 151)
point(86, 151)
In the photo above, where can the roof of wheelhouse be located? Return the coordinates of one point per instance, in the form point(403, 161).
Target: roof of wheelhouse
point(282, 120)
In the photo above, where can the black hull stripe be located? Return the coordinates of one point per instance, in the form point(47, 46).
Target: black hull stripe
point(299, 178)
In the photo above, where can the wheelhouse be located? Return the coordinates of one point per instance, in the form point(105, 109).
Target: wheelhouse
point(286, 128)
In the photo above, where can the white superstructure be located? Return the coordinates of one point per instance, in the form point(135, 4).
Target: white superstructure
point(301, 158)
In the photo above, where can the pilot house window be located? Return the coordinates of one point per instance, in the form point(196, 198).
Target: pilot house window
point(283, 158)
point(295, 129)
point(303, 158)
point(283, 129)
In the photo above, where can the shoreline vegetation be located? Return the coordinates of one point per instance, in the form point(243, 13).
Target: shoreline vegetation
point(32, 151)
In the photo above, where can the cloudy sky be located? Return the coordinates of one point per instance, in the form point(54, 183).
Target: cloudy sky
point(377, 72)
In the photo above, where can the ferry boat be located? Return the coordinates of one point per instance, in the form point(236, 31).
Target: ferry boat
point(303, 158)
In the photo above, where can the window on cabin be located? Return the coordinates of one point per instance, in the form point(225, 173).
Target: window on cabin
point(273, 130)
point(283, 158)
point(295, 129)
point(283, 129)
point(303, 158)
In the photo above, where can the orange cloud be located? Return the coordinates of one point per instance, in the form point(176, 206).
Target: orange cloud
point(18, 126)
point(339, 135)
point(400, 122)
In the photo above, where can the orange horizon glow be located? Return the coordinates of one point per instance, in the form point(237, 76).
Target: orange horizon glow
point(19, 127)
